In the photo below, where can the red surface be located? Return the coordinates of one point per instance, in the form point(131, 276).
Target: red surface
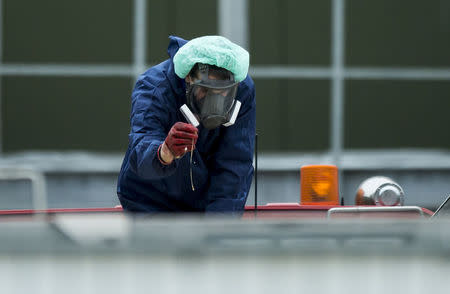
point(427, 211)
point(59, 210)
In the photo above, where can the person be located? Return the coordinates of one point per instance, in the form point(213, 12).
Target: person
point(170, 164)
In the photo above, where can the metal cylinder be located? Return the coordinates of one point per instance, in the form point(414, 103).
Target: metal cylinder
point(380, 191)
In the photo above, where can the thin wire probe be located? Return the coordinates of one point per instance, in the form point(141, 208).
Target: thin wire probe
point(190, 166)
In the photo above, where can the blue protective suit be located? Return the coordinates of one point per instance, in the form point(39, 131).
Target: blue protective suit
point(222, 161)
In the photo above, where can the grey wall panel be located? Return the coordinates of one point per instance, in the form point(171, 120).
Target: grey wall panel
point(398, 33)
point(292, 115)
point(276, 187)
point(63, 191)
point(392, 114)
point(15, 194)
point(67, 31)
point(186, 19)
point(56, 113)
point(76, 190)
point(82, 190)
point(426, 188)
point(290, 32)
point(423, 188)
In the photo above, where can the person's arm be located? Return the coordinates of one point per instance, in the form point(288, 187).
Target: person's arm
point(153, 148)
point(232, 171)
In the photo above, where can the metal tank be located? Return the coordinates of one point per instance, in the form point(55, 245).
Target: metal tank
point(380, 191)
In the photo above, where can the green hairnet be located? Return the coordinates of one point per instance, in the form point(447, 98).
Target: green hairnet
point(213, 50)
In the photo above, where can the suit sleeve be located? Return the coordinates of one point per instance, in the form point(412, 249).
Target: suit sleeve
point(232, 171)
point(149, 127)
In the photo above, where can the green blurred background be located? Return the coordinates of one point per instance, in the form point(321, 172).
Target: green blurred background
point(293, 114)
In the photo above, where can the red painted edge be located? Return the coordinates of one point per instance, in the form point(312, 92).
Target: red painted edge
point(427, 211)
point(60, 210)
point(118, 208)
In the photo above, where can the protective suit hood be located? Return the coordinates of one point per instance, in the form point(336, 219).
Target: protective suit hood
point(175, 44)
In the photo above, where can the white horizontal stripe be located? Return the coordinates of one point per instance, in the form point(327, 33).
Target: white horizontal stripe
point(397, 73)
point(276, 71)
point(65, 70)
point(363, 159)
point(279, 71)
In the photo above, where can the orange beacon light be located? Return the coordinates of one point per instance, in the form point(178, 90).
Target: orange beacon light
point(319, 185)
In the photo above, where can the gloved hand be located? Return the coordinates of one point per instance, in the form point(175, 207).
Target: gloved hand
point(179, 141)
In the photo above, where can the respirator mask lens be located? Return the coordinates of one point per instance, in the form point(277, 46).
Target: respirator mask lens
point(212, 103)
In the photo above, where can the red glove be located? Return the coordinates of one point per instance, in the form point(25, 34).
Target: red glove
point(179, 139)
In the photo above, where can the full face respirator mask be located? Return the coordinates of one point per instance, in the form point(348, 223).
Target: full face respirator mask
point(211, 101)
